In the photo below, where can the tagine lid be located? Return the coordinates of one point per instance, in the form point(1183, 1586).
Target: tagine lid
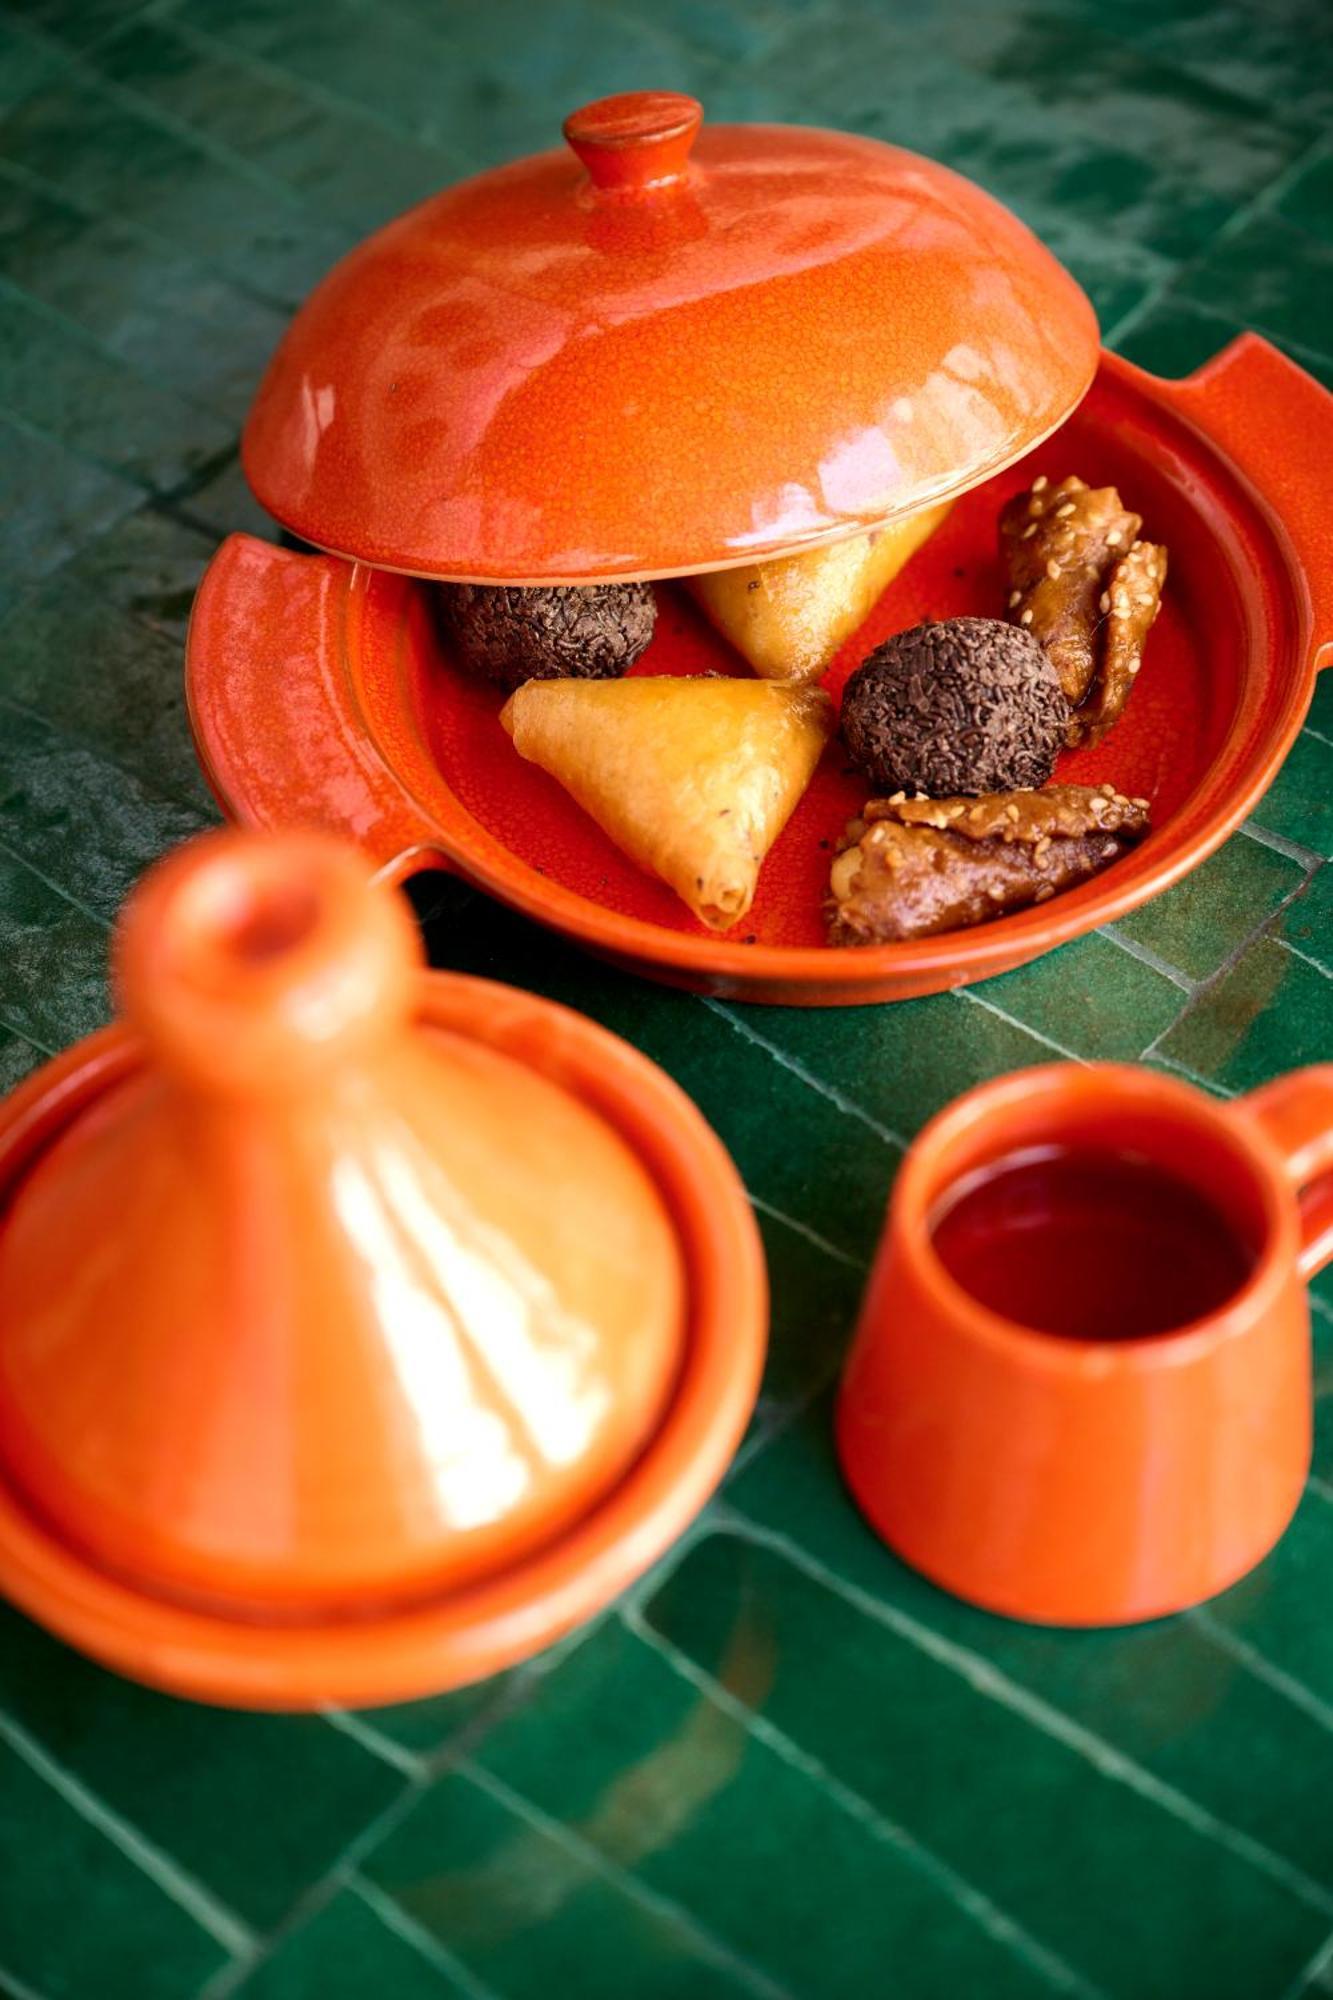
point(666, 347)
point(334, 1339)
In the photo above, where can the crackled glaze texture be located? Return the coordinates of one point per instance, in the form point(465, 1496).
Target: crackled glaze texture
point(643, 368)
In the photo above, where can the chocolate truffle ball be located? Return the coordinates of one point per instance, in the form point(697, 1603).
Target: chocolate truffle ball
point(550, 632)
point(967, 705)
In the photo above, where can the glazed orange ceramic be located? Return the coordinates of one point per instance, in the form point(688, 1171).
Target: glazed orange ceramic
point(1075, 1481)
point(321, 691)
point(664, 349)
point(410, 1316)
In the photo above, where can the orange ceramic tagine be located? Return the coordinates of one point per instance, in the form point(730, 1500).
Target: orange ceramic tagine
point(360, 1328)
point(664, 349)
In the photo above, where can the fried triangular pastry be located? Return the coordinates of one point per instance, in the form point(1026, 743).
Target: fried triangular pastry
point(693, 778)
point(788, 617)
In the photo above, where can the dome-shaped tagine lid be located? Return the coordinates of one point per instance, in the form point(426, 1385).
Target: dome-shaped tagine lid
point(664, 349)
point(325, 1309)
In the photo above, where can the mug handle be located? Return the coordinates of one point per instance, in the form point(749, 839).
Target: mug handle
point(1296, 1112)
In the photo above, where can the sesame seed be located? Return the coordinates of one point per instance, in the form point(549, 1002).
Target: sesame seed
point(996, 895)
point(1142, 804)
point(1028, 532)
point(1040, 483)
point(1026, 619)
point(1042, 849)
point(1044, 894)
point(1063, 513)
point(1011, 812)
point(1052, 569)
point(1015, 597)
point(897, 798)
point(1107, 791)
point(1105, 604)
point(1133, 667)
point(1036, 506)
point(1114, 539)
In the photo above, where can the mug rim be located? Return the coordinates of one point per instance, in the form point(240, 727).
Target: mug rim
point(908, 1236)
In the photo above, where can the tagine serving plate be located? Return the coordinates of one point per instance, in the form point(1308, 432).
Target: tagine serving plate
point(650, 362)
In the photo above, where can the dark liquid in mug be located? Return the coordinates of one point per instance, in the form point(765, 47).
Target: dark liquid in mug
point(1088, 1245)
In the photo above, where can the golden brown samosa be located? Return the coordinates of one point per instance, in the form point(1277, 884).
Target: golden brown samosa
point(693, 778)
point(788, 617)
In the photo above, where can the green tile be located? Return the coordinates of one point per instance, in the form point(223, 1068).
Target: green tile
point(17, 1059)
point(147, 564)
point(345, 167)
point(992, 1792)
point(445, 1721)
point(173, 320)
point(1270, 55)
point(530, 1913)
point(53, 967)
point(1090, 998)
point(65, 500)
point(1278, 1609)
point(1307, 924)
point(1284, 274)
point(814, 1300)
point(1167, 1696)
point(1308, 199)
point(1176, 336)
point(667, 1780)
point(899, 1064)
point(76, 137)
point(226, 506)
point(78, 23)
point(1270, 1013)
point(201, 1783)
point(78, 1918)
point(63, 384)
point(80, 818)
point(347, 1953)
point(1299, 805)
point(1198, 925)
point(103, 678)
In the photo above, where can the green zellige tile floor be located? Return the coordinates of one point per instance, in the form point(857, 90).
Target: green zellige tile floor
point(784, 1765)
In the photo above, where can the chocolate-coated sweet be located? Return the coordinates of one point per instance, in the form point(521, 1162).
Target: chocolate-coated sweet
point(553, 632)
point(967, 705)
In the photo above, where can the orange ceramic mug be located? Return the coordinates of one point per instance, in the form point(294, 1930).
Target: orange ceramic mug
point(1080, 1481)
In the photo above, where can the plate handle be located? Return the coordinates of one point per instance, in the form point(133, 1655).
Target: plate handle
point(274, 715)
point(1275, 423)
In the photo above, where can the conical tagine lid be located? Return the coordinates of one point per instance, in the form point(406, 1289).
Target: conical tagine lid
point(663, 350)
point(320, 1310)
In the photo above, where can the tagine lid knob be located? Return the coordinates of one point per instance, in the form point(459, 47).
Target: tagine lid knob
point(322, 1308)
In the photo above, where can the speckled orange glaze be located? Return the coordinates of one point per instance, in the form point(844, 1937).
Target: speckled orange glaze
point(664, 355)
point(338, 1403)
point(318, 692)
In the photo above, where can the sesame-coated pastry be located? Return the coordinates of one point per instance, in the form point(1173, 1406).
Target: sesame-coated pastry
point(1087, 589)
point(912, 868)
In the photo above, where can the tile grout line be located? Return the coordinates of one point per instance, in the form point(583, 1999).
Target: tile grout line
point(21, 175)
point(405, 1926)
point(314, 1898)
point(1304, 957)
point(81, 909)
point(818, 1084)
point(663, 1908)
point(811, 1236)
point(1147, 956)
point(189, 1894)
point(1267, 931)
point(973, 1902)
point(191, 136)
point(1316, 1965)
point(1042, 1715)
point(1263, 1669)
point(15, 1988)
point(975, 999)
point(1308, 858)
point(169, 17)
point(83, 336)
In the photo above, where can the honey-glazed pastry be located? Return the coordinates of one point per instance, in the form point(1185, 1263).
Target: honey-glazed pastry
point(693, 778)
point(1087, 588)
point(788, 617)
point(911, 868)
